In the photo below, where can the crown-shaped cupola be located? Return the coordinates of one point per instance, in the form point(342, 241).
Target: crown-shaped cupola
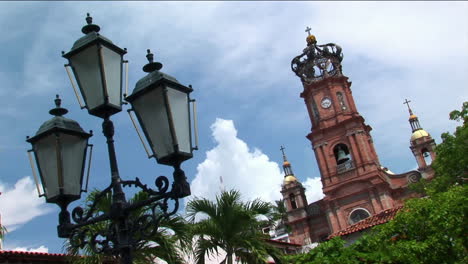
point(317, 62)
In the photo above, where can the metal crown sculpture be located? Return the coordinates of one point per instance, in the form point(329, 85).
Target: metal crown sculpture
point(317, 62)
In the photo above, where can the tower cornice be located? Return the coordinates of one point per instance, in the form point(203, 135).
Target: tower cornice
point(353, 118)
point(325, 83)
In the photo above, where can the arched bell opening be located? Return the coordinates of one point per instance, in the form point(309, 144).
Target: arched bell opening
point(341, 153)
point(427, 156)
point(292, 199)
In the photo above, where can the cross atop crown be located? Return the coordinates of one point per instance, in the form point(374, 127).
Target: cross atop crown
point(308, 29)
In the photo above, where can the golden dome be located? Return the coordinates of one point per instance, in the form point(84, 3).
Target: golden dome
point(311, 39)
point(419, 134)
point(286, 164)
point(413, 116)
point(289, 179)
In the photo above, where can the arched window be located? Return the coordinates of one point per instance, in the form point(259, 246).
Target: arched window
point(293, 201)
point(341, 153)
point(341, 100)
point(358, 215)
point(427, 156)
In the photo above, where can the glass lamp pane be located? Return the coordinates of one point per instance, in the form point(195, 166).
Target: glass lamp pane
point(46, 155)
point(178, 102)
point(73, 156)
point(151, 110)
point(86, 67)
point(113, 71)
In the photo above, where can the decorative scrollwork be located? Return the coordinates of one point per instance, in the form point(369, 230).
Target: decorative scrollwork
point(100, 230)
point(161, 182)
point(78, 214)
point(318, 62)
point(414, 177)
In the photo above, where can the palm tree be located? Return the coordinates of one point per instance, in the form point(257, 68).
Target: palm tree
point(231, 225)
point(279, 215)
point(3, 231)
point(168, 243)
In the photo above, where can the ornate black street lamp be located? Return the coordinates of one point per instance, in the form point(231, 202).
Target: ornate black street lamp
point(161, 105)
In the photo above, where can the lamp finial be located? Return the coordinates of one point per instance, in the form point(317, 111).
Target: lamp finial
point(57, 100)
point(151, 66)
point(89, 19)
point(90, 27)
point(58, 110)
point(149, 56)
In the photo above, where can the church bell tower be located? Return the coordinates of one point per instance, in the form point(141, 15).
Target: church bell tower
point(353, 182)
point(421, 144)
point(296, 204)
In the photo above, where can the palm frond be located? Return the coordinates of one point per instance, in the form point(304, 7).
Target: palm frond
point(201, 206)
point(231, 225)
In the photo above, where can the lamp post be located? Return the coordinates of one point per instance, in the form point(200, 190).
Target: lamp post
point(161, 105)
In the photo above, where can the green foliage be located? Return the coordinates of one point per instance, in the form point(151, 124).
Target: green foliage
point(231, 225)
point(460, 115)
point(3, 231)
point(330, 252)
point(279, 214)
point(169, 242)
point(427, 230)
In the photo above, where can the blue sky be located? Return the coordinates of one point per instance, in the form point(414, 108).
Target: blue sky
point(237, 57)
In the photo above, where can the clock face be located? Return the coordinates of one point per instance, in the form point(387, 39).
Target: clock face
point(326, 102)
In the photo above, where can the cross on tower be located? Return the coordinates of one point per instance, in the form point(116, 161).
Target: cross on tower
point(407, 104)
point(308, 29)
point(282, 150)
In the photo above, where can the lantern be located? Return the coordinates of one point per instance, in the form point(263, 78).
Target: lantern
point(161, 105)
point(97, 65)
point(60, 147)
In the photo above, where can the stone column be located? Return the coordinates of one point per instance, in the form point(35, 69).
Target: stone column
point(355, 150)
point(375, 203)
point(323, 164)
point(361, 135)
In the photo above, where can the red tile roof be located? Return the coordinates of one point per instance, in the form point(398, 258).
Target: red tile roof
point(39, 257)
point(29, 253)
point(36, 257)
point(380, 218)
point(282, 243)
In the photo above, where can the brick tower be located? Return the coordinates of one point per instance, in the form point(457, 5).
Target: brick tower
point(421, 144)
point(355, 185)
point(296, 204)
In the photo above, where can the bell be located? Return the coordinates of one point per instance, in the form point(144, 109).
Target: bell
point(342, 157)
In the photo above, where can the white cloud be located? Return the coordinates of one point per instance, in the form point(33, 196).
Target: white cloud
point(41, 248)
point(249, 171)
point(313, 189)
point(20, 204)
